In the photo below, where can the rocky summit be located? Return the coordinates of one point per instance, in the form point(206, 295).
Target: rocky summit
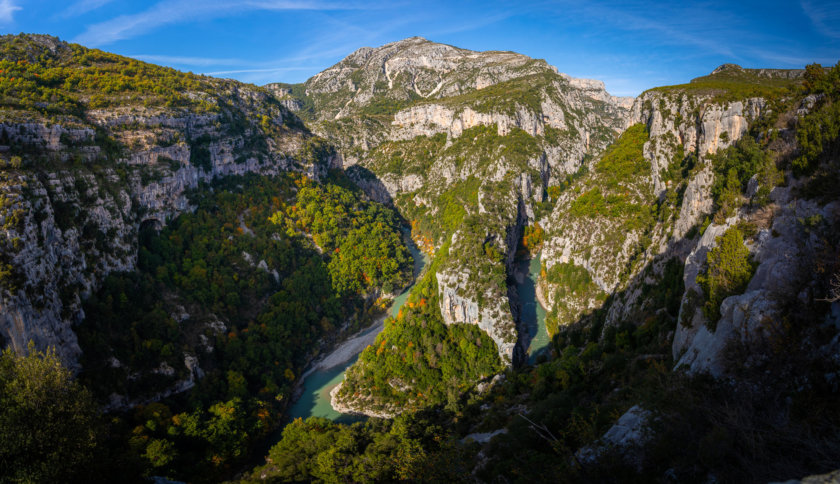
point(188, 251)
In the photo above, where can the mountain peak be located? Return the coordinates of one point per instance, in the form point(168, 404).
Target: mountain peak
point(416, 38)
point(725, 68)
point(411, 69)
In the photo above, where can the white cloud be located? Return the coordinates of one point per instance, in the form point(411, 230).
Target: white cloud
point(7, 11)
point(82, 7)
point(180, 11)
point(190, 61)
point(825, 16)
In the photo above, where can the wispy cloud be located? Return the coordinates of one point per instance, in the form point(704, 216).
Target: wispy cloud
point(254, 70)
point(82, 7)
point(474, 24)
point(269, 70)
point(676, 25)
point(7, 11)
point(190, 61)
point(180, 11)
point(793, 60)
point(825, 16)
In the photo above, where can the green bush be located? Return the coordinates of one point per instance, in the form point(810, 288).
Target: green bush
point(733, 168)
point(817, 136)
point(728, 272)
point(625, 159)
point(49, 425)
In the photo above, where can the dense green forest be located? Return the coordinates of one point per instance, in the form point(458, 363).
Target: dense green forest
point(73, 78)
point(241, 290)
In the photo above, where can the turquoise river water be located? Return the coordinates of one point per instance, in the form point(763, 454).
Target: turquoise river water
point(315, 399)
point(533, 314)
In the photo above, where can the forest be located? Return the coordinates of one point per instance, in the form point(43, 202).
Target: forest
point(233, 298)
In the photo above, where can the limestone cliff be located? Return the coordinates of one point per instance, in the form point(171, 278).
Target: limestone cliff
point(417, 122)
point(785, 251)
point(674, 177)
point(79, 186)
point(624, 253)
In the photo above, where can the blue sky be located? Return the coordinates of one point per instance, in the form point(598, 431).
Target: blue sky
point(631, 46)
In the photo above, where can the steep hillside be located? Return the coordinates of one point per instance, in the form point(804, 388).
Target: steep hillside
point(95, 145)
point(466, 145)
point(181, 243)
point(645, 200)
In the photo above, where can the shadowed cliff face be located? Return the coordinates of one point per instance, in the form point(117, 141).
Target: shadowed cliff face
point(86, 176)
point(651, 206)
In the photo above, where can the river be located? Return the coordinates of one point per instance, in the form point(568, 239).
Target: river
point(329, 371)
point(533, 314)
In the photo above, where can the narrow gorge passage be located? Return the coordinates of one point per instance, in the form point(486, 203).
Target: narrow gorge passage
point(532, 313)
point(329, 371)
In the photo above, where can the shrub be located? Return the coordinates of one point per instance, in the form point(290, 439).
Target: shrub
point(625, 158)
point(733, 169)
point(49, 426)
point(729, 270)
point(819, 131)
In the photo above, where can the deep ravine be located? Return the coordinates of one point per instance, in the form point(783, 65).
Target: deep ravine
point(532, 313)
point(324, 375)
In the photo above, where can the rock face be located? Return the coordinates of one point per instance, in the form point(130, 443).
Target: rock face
point(72, 211)
point(352, 406)
point(430, 119)
point(627, 436)
point(59, 262)
point(379, 103)
point(428, 88)
point(494, 317)
point(681, 127)
point(410, 69)
point(756, 316)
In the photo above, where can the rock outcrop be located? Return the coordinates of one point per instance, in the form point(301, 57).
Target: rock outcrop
point(377, 102)
point(626, 437)
point(753, 318)
point(86, 185)
point(682, 128)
